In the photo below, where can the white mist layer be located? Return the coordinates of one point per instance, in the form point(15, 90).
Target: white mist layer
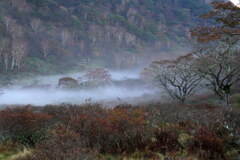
point(17, 95)
point(115, 75)
point(43, 97)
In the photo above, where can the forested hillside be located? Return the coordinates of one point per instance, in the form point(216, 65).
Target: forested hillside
point(40, 35)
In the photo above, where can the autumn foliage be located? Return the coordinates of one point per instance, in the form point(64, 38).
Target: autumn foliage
point(99, 75)
point(226, 17)
point(23, 125)
point(207, 144)
point(88, 131)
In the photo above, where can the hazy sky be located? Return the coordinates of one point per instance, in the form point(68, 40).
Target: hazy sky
point(235, 1)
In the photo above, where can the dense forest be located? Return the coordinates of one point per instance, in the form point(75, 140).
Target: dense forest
point(44, 35)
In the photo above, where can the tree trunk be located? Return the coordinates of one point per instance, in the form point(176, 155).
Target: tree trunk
point(225, 100)
point(182, 101)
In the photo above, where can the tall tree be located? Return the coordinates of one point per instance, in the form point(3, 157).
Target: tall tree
point(219, 64)
point(177, 77)
point(45, 48)
point(6, 57)
point(16, 31)
point(36, 25)
point(218, 59)
point(18, 51)
point(224, 23)
point(64, 37)
point(5, 52)
point(3, 43)
point(9, 22)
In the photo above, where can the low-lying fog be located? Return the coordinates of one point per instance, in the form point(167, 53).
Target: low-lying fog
point(35, 92)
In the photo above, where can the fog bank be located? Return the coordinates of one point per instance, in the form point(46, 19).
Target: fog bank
point(19, 94)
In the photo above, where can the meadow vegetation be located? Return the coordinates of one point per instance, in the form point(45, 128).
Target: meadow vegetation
point(152, 131)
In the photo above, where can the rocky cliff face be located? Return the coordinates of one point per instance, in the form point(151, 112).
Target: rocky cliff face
point(103, 29)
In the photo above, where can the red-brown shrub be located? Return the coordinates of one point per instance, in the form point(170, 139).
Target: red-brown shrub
point(114, 131)
point(66, 113)
point(23, 125)
point(167, 138)
point(207, 144)
point(84, 130)
point(97, 131)
point(132, 132)
point(65, 144)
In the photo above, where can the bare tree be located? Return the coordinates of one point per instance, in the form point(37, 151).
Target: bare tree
point(9, 22)
point(36, 25)
point(64, 37)
point(219, 64)
point(19, 49)
point(45, 48)
point(3, 43)
point(4, 51)
point(16, 31)
point(177, 77)
point(6, 57)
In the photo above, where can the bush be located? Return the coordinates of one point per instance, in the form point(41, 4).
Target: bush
point(23, 125)
point(115, 132)
point(89, 130)
point(167, 139)
point(132, 132)
point(95, 78)
point(65, 144)
point(207, 144)
point(67, 82)
point(232, 125)
point(97, 131)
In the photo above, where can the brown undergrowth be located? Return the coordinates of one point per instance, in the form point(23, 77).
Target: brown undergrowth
point(91, 131)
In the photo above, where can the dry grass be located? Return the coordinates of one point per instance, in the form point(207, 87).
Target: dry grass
point(22, 154)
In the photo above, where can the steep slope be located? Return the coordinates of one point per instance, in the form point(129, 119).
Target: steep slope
point(117, 32)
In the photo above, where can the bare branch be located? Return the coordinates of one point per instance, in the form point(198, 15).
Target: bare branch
point(18, 51)
point(45, 48)
point(9, 22)
point(177, 77)
point(36, 25)
point(64, 37)
point(219, 64)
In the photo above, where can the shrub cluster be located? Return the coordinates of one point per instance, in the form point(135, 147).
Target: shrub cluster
point(89, 131)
